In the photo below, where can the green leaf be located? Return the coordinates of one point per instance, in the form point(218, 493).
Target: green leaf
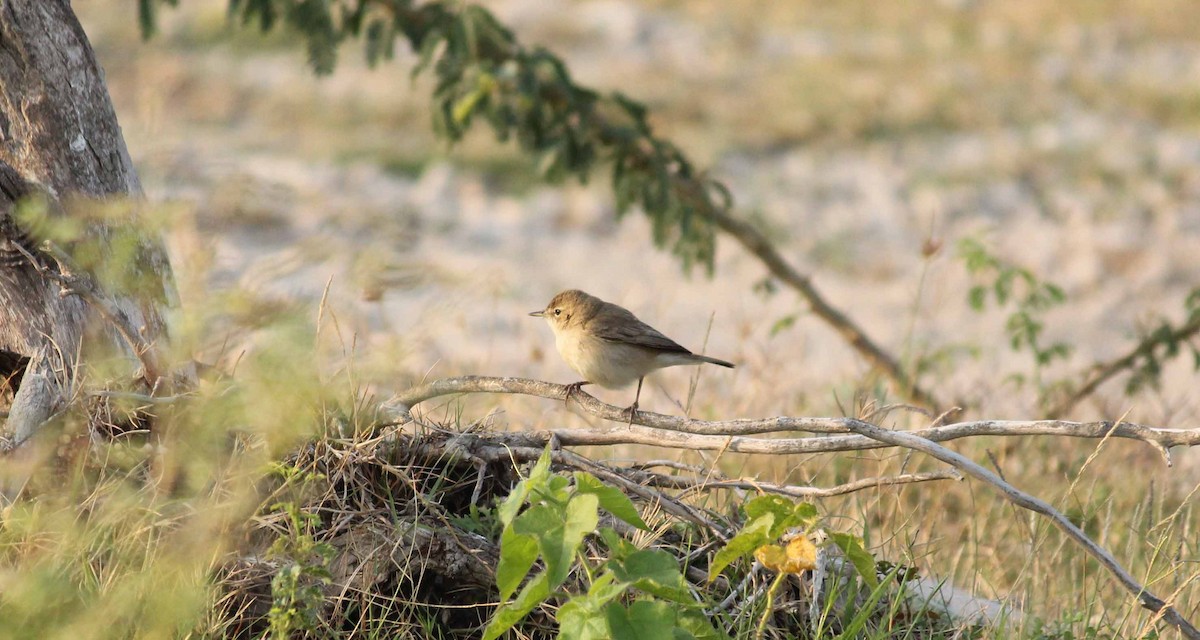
point(606, 588)
point(513, 503)
point(581, 619)
point(508, 614)
point(517, 554)
point(693, 624)
point(787, 513)
point(611, 498)
point(977, 297)
point(618, 548)
point(465, 107)
point(643, 620)
point(541, 469)
point(654, 571)
point(559, 534)
point(583, 515)
point(862, 559)
point(782, 324)
point(752, 536)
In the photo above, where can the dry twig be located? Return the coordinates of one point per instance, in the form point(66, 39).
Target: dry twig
point(684, 433)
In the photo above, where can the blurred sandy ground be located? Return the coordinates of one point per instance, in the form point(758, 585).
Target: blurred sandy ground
point(1064, 135)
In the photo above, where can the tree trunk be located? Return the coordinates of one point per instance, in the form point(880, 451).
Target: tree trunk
point(59, 137)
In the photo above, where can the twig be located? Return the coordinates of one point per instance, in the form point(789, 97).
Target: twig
point(794, 491)
point(676, 432)
point(1102, 372)
point(1147, 599)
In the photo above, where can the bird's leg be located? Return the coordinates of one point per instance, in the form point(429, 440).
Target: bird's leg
point(574, 387)
point(633, 407)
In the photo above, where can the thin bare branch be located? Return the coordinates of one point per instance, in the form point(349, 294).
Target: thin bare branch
point(692, 485)
point(1103, 371)
point(684, 433)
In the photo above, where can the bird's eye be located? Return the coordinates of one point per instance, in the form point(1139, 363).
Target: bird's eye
point(558, 312)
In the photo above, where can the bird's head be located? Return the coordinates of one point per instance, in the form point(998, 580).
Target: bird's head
point(569, 308)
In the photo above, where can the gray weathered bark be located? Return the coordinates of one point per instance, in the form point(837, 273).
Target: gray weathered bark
point(59, 137)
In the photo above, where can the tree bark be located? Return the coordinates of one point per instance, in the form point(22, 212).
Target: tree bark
point(59, 138)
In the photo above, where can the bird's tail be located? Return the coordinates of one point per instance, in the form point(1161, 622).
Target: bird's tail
point(713, 360)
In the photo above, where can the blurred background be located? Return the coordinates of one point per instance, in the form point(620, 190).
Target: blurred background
point(868, 138)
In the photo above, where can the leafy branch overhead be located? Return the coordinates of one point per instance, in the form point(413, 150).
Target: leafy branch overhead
point(483, 73)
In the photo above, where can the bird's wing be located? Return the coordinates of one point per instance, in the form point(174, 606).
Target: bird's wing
point(617, 324)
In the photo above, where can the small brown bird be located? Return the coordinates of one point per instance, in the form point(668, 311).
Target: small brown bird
point(608, 345)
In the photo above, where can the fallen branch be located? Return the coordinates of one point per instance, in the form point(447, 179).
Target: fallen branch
point(685, 433)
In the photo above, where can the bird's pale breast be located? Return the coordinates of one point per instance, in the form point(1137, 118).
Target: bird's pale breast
point(609, 364)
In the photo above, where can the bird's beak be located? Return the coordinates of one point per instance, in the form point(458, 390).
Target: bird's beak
point(537, 314)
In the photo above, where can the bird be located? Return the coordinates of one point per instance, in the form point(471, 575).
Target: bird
point(608, 345)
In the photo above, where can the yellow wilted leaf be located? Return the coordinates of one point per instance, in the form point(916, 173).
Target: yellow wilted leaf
point(800, 554)
point(771, 556)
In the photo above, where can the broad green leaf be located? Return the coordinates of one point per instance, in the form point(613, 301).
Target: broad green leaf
point(779, 506)
point(545, 524)
point(582, 518)
point(787, 513)
point(643, 620)
point(751, 537)
point(579, 619)
point(605, 588)
point(508, 614)
point(656, 572)
point(517, 554)
point(862, 559)
point(558, 489)
point(611, 498)
point(694, 624)
point(618, 548)
point(541, 470)
point(559, 534)
point(513, 503)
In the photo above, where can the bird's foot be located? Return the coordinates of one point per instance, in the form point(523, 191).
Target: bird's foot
point(574, 387)
point(632, 414)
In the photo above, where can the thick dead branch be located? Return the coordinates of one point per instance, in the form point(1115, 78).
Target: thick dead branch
point(730, 435)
